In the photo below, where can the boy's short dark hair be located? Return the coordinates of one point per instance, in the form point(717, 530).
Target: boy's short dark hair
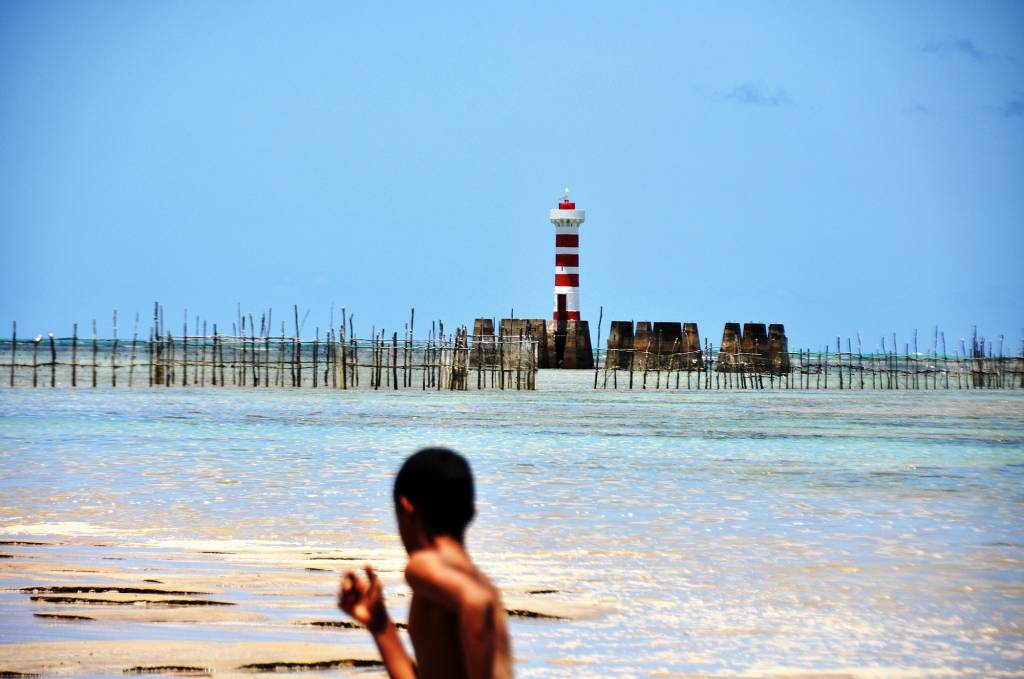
point(439, 483)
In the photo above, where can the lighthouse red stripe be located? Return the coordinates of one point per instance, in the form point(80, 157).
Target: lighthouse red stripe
point(568, 316)
point(567, 240)
point(571, 280)
point(567, 260)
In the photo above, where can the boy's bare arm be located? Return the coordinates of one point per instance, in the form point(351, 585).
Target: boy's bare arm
point(472, 601)
point(363, 599)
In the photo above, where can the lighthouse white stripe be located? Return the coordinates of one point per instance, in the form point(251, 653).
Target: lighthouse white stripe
point(572, 299)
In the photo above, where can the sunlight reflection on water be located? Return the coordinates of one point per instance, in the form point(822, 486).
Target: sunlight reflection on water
point(729, 531)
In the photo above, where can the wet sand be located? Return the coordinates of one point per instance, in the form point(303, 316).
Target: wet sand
point(75, 604)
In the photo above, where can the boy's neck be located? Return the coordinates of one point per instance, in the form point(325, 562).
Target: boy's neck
point(445, 544)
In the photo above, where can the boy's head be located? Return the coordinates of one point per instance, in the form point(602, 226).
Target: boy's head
point(438, 484)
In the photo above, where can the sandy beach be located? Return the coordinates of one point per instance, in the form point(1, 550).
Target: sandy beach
point(237, 596)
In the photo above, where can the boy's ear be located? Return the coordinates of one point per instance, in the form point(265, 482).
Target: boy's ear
point(404, 503)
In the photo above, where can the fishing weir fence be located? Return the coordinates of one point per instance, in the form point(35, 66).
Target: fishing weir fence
point(666, 355)
point(461, 361)
point(710, 369)
point(452, 362)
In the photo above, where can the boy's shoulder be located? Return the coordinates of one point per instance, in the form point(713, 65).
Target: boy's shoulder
point(430, 564)
point(424, 563)
point(431, 573)
point(424, 558)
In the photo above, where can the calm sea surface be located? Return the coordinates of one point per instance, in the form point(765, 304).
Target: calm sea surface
point(719, 532)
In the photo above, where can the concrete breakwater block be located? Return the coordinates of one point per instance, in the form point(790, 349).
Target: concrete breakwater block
point(692, 357)
point(619, 354)
point(535, 329)
point(642, 339)
point(778, 349)
point(668, 345)
point(483, 350)
point(754, 347)
point(729, 349)
point(569, 345)
point(660, 345)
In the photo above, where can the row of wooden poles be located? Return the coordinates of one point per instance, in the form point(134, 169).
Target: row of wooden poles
point(339, 361)
point(709, 368)
point(457, 361)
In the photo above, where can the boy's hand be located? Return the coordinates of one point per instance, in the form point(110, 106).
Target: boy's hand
point(363, 599)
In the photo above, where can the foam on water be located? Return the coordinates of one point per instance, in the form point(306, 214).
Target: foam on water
point(719, 532)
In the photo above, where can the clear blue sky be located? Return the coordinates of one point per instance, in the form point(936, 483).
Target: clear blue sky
point(833, 166)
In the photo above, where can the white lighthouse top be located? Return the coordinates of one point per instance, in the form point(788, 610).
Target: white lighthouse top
point(566, 213)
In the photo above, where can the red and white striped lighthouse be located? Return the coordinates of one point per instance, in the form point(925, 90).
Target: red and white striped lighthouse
point(567, 220)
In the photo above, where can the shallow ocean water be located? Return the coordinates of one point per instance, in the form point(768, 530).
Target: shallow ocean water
point(720, 532)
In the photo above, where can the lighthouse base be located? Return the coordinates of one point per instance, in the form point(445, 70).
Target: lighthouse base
point(568, 345)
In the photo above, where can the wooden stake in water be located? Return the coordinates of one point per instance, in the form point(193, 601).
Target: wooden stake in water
point(839, 362)
point(849, 364)
point(14, 348)
point(74, 354)
point(344, 356)
point(945, 360)
point(316, 347)
point(35, 360)
point(170, 374)
point(135, 340)
point(113, 355)
point(95, 353)
point(155, 363)
point(213, 358)
point(53, 362)
point(394, 359)
point(220, 359)
point(860, 362)
point(202, 358)
point(184, 350)
point(906, 365)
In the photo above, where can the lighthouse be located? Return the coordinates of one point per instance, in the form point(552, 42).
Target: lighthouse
point(568, 344)
point(567, 220)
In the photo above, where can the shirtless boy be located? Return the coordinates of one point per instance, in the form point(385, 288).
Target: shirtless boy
point(456, 619)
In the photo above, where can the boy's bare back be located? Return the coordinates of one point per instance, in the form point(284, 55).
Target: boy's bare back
point(456, 620)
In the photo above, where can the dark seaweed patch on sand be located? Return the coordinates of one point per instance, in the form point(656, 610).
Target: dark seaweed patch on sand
point(342, 624)
point(103, 589)
point(62, 616)
point(25, 543)
point(166, 669)
point(131, 602)
point(309, 666)
point(523, 613)
point(345, 624)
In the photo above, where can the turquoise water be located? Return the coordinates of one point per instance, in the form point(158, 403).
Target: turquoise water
point(716, 532)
